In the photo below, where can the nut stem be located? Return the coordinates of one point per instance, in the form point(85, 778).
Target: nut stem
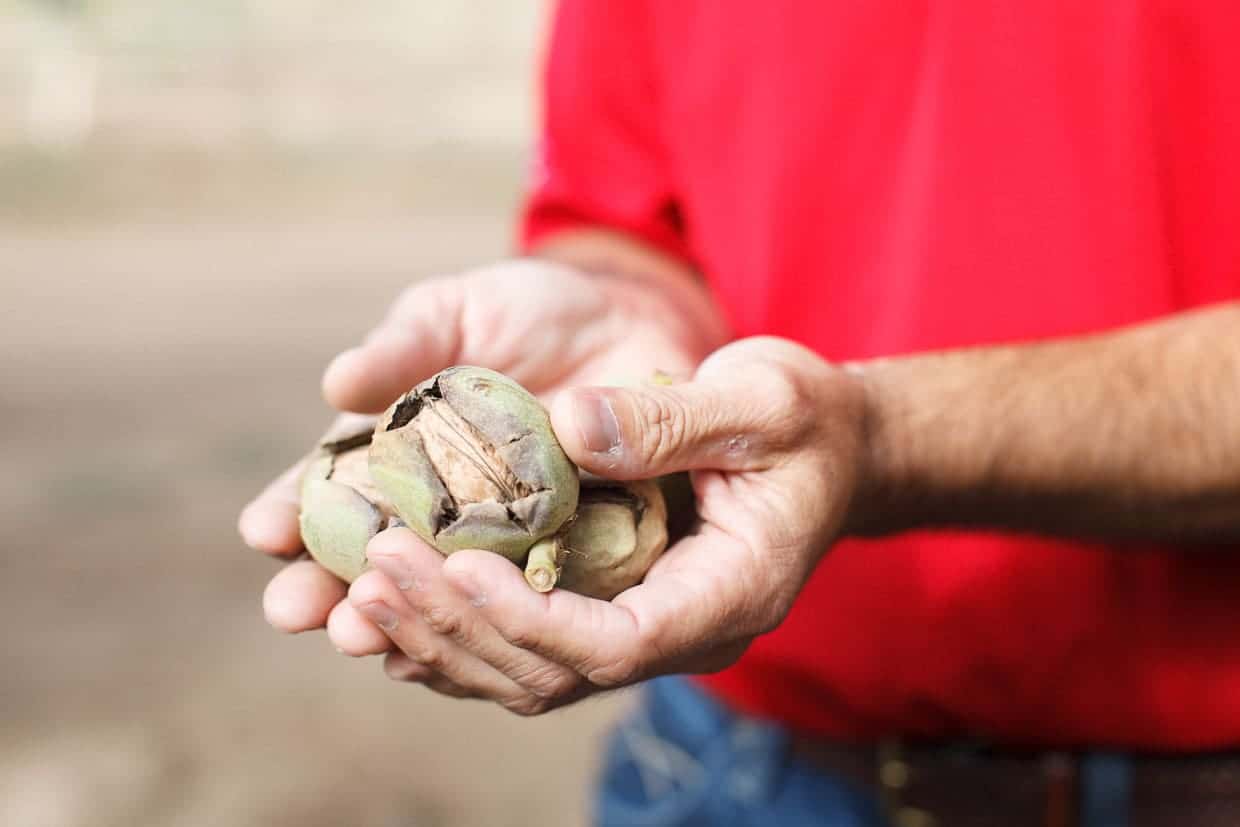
point(542, 568)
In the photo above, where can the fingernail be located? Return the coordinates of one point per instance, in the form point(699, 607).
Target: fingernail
point(396, 569)
point(596, 421)
point(382, 616)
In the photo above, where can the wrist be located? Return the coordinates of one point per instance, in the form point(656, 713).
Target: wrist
point(882, 502)
point(938, 441)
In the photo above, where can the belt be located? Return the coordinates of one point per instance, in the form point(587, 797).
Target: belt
point(924, 785)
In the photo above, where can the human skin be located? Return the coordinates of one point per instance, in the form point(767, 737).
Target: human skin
point(1133, 434)
point(547, 325)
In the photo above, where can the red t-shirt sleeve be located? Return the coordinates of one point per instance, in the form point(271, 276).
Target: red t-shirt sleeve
point(600, 160)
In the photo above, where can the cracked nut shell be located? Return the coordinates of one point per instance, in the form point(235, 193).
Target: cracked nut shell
point(468, 459)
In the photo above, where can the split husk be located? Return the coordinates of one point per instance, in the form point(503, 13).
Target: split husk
point(468, 459)
point(341, 508)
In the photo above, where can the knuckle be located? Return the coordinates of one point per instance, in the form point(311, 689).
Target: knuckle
point(521, 636)
point(786, 398)
point(527, 706)
point(426, 653)
point(783, 390)
point(408, 301)
point(427, 298)
point(620, 672)
point(549, 682)
point(664, 426)
point(443, 621)
point(367, 588)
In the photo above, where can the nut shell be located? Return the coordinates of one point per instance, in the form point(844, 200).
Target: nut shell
point(468, 459)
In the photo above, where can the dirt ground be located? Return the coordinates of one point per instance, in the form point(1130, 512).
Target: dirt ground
point(161, 354)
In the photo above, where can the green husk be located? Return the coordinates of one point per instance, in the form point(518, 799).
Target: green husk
point(468, 459)
point(341, 509)
point(619, 531)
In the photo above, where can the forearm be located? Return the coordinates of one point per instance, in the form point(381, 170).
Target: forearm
point(639, 271)
point(1132, 435)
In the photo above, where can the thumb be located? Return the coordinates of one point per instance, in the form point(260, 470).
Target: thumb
point(637, 433)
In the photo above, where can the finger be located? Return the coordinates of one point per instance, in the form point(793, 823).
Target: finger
point(436, 653)
point(353, 634)
point(589, 636)
point(414, 578)
point(650, 629)
point(411, 563)
point(301, 596)
point(420, 338)
point(400, 667)
point(635, 433)
point(269, 523)
point(347, 426)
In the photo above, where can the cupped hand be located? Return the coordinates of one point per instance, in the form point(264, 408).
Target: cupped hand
point(775, 440)
point(548, 326)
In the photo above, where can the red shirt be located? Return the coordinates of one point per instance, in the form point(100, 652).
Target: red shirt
point(873, 178)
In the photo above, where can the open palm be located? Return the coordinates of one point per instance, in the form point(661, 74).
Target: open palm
point(549, 327)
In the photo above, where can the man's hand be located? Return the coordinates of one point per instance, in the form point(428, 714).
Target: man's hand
point(774, 438)
point(1121, 436)
point(547, 325)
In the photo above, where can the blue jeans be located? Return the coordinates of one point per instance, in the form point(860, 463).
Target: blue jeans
point(682, 759)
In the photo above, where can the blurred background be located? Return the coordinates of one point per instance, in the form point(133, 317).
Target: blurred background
point(200, 203)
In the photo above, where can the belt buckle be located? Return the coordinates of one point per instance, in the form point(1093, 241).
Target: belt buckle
point(1058, 770)
point(893, 777)
point(1059, 775)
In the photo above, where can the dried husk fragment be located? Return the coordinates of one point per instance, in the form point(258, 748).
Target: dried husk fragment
point(543, 565)
point(468, 459)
